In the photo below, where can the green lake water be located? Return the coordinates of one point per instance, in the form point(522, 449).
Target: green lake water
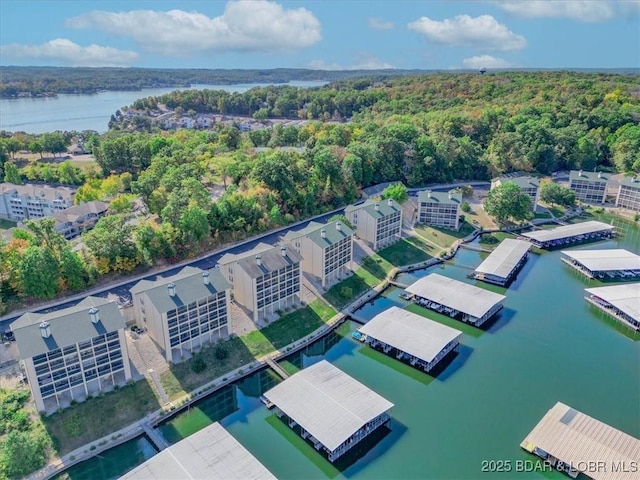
point(547, 345)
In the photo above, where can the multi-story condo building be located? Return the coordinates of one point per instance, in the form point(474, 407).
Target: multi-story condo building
point(74, 353)
point(326, 250)
point(377, 222)
point(184, 311)
point(20, 202)
point(528, 185)
point(72, 221)
point(629, 194)
point(589, 187)
point(439, 209)
point(265, 279)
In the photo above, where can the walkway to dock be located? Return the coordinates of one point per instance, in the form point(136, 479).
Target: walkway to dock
point(158, 440)
point(276, 368)
point(398, 284)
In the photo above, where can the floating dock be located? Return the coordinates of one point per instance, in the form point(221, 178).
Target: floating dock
point(591, 231)
point(622, 302)
point(576, 443)
point(209, 453)
point(420, 341)
point(329, 408)
point(611, 264)
point(501, 266)
point(456, 299)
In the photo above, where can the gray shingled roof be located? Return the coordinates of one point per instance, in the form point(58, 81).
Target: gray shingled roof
point(384, 209)
point(590, 176)
point(68, 326)
point(522, 181)
point(38, 191)
point(439, 197)
point(234, 257)
point(631, 182)
point(314, 232)
point(189, 284)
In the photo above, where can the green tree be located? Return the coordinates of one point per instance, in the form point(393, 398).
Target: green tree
point(112, 244)
point(22, 453)
point(53, 143)
point(39, 273)
point(193, 225)
point(36, 147)
point(11, 174)
point(507, 202)
point(553, 193)
point(397, 192)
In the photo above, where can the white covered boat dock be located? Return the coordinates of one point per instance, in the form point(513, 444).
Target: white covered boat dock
point(419, 340)
point(504, 262)
point(332, 410)
point(577, 443)
point(456, 299)
point(622, 302)
point(604, 264)
point(564, 235)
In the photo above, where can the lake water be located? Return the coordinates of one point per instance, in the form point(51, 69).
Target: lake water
point(547, 345)
point(89, 112)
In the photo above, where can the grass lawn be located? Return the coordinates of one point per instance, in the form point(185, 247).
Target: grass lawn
point(181, 379)
point(6, 224)
point(542, 215)
point(443, 237)
point(87, 421)
point(373, 270)
point(408, 251)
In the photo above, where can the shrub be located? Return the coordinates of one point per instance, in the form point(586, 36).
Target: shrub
point(465, 207)
point(346, 292)
point(198, 365)
point(221, 352)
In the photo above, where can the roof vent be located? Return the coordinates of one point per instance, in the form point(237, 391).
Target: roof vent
point(339, 226)
point(259, 260)
point(283, 251)
point(428, 193)
point(450, 195)
point(45, 329)
point(172, 289)
point(390, 202)
point(377, 207)
point(599, 174)
point(579, 173)
point(205, 278)
point(323, 233)
point(94, 315)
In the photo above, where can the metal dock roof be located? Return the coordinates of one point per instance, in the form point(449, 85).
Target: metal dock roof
point(566, 231)
point(605, 260)
point(327, 402)
point(209, 453)
point(504, 258)
point(625, 297)
point(452, 293)
point(576, 438)
point(410, 332)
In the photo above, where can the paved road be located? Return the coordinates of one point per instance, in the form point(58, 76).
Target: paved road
point(121, 290)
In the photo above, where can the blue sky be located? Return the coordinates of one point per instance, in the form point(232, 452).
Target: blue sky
point(323, 34)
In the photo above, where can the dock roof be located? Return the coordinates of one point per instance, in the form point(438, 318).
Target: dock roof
point(314, 232)
point(625, 297)
point(410, 332)
point(566, 231)
point(209, 453)
point(68, 326)
point(605, 260)
point(504, 258)
point(327, 402)
point(452, 293)
point(576, 438)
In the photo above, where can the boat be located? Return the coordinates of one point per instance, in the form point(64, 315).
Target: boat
point(264, 400)
point(405, 295)
point(358, 336)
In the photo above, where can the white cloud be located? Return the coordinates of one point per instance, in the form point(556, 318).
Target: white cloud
point(379, 24)
point(363, 61)
point(591, 11)
point(245, 26)
point(481, 32)
point(69, 53)
point(485, 61)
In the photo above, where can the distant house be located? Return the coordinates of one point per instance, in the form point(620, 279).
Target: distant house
point(72, 221)
point(528, 185)
point(77, 149)
point(20, 202)
point(589, 187)
point(378, 223)
point(184, 311)
point(326, 249)
point(439, 209)
point(629, 194)
point(74, 353)
point(265, 279)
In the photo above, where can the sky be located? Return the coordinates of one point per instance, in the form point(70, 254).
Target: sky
point(322, 34)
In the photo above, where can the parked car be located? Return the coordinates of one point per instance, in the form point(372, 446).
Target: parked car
point(8, 335)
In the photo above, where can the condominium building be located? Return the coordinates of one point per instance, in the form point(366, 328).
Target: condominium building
point(72, 221)
point(439, 209)
point(528, 185)
point(24, 202)
point(326, 250)
point(185, 311)
point(377, 222)
point(265, 279)
point(589, 187)
point(74, 353)
point(629, 194)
